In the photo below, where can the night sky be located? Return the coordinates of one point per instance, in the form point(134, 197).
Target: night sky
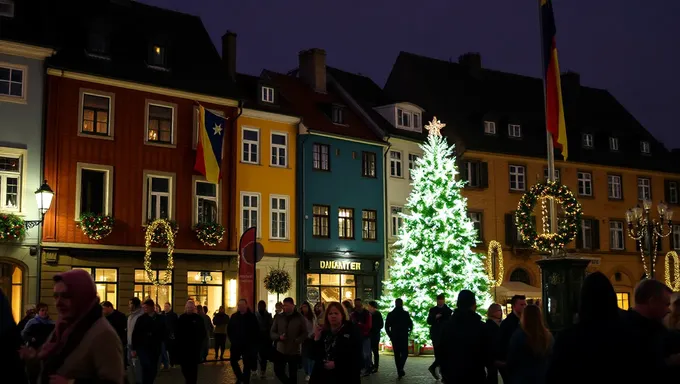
point(629, 47)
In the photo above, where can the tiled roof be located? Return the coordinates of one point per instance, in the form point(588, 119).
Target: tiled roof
point(464, 99)
point(250, 88)
point(311, 106)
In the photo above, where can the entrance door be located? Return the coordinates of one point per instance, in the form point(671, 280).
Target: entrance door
point(11, 282)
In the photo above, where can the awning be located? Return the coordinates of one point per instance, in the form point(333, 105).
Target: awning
point(511, 288)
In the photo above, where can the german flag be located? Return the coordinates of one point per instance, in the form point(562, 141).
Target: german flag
point(554, 108)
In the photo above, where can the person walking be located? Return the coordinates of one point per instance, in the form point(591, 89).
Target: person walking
point(10, 342)
point(398, 326)
point(189, 337)
point(117, 320)
point(377, 324)
point(171, 326)
point(243, 332)
point(529, 350)
point(363, 320)
point(436, 318)
point(34, 334)
point(220, 321)
point(494, 315)
point(508, 328)
point(288, 331)
point(310, 323)
point(147, 338)
point(135, 307)
point(264, 320)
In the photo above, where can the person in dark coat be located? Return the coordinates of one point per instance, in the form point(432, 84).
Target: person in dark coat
point(398, 327)
point(465, 344)
point(10, 341)
point(170, 326)
point(377, 325)
point(35, 334)
point(30, 313)
point(243, 331)
point(493, 322)
point(265, 348)
point(189, 336)
point(436, 318)
point(117, 319)
point(508, 328)
point(220, 321)
point(147, 337)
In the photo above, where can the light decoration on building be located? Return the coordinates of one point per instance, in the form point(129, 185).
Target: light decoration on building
point(675, 283)
point(169, 239)
point(642, 227)
point(495, 249)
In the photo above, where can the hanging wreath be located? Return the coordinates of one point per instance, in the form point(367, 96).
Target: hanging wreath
point(12, 227)
point(158, 236)
point(494, 247)
point(165, 228)
point(568, 226)
point(96, 226)
point(209, 234)
point(277, 281)
point(675, 284)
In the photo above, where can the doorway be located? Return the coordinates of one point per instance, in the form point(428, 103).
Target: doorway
point(11, 282)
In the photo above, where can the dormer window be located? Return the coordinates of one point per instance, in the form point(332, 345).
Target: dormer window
point(7, 8)
point(613, 144)
point(268, 94)
point(98, 45)
point(515, 130)
point(644, 147)
point(337, 114)
point(157, 56)
point(490, 127)
point(587, 140)
point(408, 120)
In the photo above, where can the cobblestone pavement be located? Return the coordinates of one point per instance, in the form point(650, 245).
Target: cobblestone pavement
point(221, 373)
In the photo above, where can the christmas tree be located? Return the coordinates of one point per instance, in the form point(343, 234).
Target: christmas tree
point(433, 253)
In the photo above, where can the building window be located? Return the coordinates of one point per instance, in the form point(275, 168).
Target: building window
point(369, 224)
point(11, 167)
point(397, 221)
point(590, 237)
point(476, 218)
point(279, 149)
point(614, 183)
point(321, 157)
point(613, 144)
point(7, 10)
point(585, 183)
point(94, 189)
point(206, 288)
point(623, 300)
point(514, 130)
point(475, 173)
point(98, 45)
point(676, 237)
point(279, 215)
point(517, 178)
point(250, 211)
point(321, 221)
point(490, 127)
point(338, 113)
point(409, 120)
point(251, 146)
point(616, 235)
point(412, 159)
point(588, 140)
point(520, 275)
point(644, 188)
point(206, 202)
point(146, 289)
point(557, 174)
point(159, 197)
point(644, 147)
point(331, 287)
point(368, 160)
point(96, 113)
point(158, 56)
point(106, 281)
point(673, 192)
point(346, 223)
point(268, 94)
point(12, 82)
point(160, 123)
point(395, 164)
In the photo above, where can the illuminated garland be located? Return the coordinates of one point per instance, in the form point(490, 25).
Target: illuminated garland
point(159, 237)
point(675, 284)
point(169, 236)
point(96, 226)
point(12, 227)
point(496, 280)
point(209, 234)
point(567, 228)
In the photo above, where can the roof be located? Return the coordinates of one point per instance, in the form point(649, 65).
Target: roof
point(369, 95)
point(30, 25)
point(250, 88)
point(464, 98)
point(130, 29)
point(309, 105)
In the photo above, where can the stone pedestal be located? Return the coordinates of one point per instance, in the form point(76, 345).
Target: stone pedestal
point(561, 283)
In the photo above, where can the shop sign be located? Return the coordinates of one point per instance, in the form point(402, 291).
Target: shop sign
point(341, 265)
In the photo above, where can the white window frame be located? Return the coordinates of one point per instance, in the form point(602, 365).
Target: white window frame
point(644, 183)
point(585, 183)
point(412, 158)
point(673, 192)
point(588, 141)
point(398, 163)
point(22, 155)
point(676, 237)
point(267, 94)
point(276, 147)
point(194, 183)
point(338, 114)
point(258, 210)
point(477, 217)
point(557, 174)
point(251, 144)
point(173, 126)
point(515, 130)
point(197, 122)
point(586, 226)
point(112, 109)
point(278, 211)
point(108, 186)
point(614, 187)
point(147, 194)
point(400, 118)
point(396, 221)
point(645, 147)
point(613, 144)
point(517, 172)
point(23, 99)
point(11, 7)
point(489, 127)
point(616, 226)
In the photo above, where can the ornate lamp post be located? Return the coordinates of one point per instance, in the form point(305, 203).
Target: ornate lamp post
point(43, 197)
point(641, 226)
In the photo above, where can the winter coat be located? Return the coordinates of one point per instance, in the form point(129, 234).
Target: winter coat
point(377, 324)
point(344, 349)
point(118, 323)
point(149, 334)
point(436, 324)
point(37, 331)
point(398, 325)
point(243, 331)
point(10, 341)
point(508, 327)
point(465, 347)
point(362, 319)
point(524, 366)
point(189, 336)
point(220, 321)
point(294, 327)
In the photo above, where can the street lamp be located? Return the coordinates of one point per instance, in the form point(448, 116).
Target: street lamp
point(642, 225)
point(43, 198)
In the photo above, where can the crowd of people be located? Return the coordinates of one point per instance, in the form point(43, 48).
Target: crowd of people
point(339, 342)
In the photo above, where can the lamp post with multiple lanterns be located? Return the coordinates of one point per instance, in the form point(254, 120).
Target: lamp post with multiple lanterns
point(641, 225)
point(43, 197)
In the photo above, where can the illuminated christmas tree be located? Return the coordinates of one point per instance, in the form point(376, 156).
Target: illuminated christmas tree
point(434, 252)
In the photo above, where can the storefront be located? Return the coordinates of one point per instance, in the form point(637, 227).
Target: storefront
point(339, 279)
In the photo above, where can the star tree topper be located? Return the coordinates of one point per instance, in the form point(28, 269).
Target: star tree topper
point(435, 126)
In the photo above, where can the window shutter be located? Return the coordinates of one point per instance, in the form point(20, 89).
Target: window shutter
point(484, 174)
point(667, 190)
point(595, 229)
point(510, 232)
point(463, 171)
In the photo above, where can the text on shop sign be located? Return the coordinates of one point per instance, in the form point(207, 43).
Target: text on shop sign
point(344, 265)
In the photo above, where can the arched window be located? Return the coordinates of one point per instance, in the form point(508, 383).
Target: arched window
point(521, 275)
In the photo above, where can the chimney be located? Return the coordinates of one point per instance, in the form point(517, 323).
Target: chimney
point(571, 83)
point(313, 68)
point(229, 54)
point(472, 61)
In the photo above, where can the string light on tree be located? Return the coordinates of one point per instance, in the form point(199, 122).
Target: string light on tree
point(151, 237)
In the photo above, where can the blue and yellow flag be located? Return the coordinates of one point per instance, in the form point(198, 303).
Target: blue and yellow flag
point(210, 138)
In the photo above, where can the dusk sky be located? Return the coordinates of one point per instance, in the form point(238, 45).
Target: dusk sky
point(629, 47)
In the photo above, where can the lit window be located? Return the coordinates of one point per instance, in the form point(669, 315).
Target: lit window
point(106, 281)
point(146, 289)
point(160, 123)
point(369, 224)
point(623, 300)
point(157, 56)
point(321, 221)
point(96, 112)
point(368, 160)
point(346, 223)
